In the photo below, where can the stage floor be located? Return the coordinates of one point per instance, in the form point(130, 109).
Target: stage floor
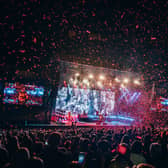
point(81, 124)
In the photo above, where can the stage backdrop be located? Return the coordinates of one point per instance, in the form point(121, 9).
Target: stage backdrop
point(76, 97)
point(88, 101)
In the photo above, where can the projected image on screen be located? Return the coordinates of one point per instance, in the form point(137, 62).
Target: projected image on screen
point(107, 102)
point(23, 94)
point(84, 101)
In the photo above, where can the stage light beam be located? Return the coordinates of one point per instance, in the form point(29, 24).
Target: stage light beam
point(77, 74)
point(101, 77)
point(99, 84)
point(136, 82)
point(90, 76)
point(126, 80)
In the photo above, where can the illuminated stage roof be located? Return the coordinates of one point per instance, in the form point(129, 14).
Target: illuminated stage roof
point(74, 71)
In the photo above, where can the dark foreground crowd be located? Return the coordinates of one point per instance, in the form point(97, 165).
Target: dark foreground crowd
point(84, 147)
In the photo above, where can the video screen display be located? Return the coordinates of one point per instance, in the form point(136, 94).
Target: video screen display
point(164, 101)
point(23, 94)
point(86, 101)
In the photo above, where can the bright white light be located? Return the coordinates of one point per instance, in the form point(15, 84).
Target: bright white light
point(99, 84)
point(75, 82)
point(117, 80)
point(77, 74)
point(90, 76)
point(136, 82)
point(85, 81)
point(126, 80)
point(88, 84)
point(71, 80)
point(101, 77)
point(122, 85)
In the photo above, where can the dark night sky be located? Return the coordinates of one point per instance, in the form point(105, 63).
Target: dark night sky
point(130, 35)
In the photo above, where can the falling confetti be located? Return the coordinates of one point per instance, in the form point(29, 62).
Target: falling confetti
point(100, 33)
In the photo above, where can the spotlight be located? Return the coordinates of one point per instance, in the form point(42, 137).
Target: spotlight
point(122, 85)
point(88, 84)
point(101, 77)
point(126, 80)
point(117, 80)
point(136, 82)
point(91, 76)
point(77, 74)
point(85, 81)
point(99, 84)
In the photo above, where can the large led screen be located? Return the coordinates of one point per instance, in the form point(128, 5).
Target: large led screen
point(87, 101)
point(23, 94)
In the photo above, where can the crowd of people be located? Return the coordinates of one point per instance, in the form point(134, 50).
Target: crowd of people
point(116, 147)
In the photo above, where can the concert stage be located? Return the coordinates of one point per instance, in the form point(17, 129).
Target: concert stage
point(69, 124)
point(101, 96)
point(92, 121)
